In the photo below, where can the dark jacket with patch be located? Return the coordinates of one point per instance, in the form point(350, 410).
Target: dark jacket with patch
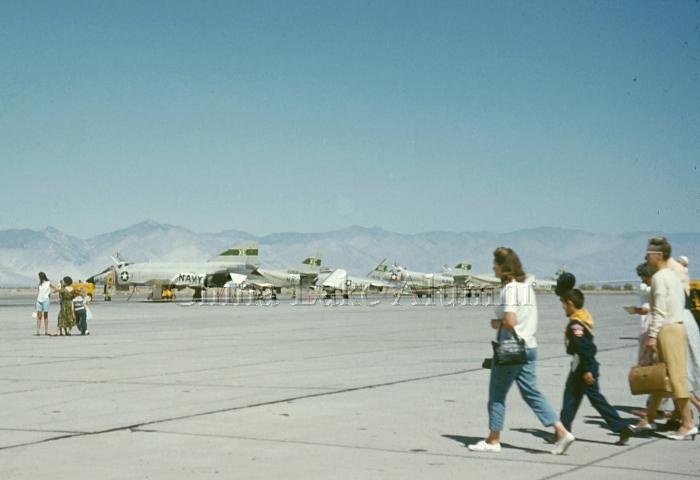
point(579, 342)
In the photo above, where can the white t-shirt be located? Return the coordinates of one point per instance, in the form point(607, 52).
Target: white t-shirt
point(519, 298)
point(44, 291)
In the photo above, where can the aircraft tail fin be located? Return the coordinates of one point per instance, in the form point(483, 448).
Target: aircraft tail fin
point(466, 266)
point(380, 271)
point(118, 260)
point(312, 263)
point(336, 280)
point(245, 252)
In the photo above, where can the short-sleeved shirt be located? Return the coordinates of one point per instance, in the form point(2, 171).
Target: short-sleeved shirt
point(519, 298)
point(44, 291)
point(79, 303)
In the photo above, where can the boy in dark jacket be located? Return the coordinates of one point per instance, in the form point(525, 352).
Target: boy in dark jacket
point(583, 377)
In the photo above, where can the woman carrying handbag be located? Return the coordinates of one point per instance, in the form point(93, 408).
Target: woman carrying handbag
point(516, 322)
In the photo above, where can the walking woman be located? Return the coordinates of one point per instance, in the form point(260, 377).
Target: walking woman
point(42, 303)
point(517, 313)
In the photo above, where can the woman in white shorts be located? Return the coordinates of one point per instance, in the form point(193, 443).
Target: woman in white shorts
point(43, 302)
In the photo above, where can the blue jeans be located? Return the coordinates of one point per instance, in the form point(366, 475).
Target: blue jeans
point(502, 377)
point(81, 320)
point(575, 389)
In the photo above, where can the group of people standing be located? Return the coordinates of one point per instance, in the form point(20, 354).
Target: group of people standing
point(671, 335)
point(73, 311)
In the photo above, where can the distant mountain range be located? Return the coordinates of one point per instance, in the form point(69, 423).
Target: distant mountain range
point(591, 256)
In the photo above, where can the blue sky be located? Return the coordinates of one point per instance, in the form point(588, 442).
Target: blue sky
point(310, 116)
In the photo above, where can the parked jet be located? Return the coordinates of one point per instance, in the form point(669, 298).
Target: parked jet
point(460, 273)
point(462, 276)
point(338, 281)
point(546, 284)
point(238, 260)
point(420, 283)
point(274, 280)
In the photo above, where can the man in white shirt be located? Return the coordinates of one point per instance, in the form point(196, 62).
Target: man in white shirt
point(667, 336)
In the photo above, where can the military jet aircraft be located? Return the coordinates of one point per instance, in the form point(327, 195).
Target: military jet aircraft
point(546, 284)
point(420, 283)
point(463, 276)
point(338, 281)
point(273, 281)
point(460, 273)
point(237, 260)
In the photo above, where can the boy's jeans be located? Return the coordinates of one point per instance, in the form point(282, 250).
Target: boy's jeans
point(502, 377)
point(575, 389)
point(81, 320)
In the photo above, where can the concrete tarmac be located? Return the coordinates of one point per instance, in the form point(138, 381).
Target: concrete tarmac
point(163, 391)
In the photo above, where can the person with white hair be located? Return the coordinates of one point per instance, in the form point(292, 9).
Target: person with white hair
point(683, 260)
point(681, 270)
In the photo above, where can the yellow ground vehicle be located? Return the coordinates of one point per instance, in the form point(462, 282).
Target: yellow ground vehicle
point(695, 299)
point(167, 294)
point(90, 287)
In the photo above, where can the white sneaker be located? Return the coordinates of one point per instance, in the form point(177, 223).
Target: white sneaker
point(563, 444)
point(483, 446)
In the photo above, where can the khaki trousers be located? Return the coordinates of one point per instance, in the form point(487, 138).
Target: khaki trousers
point(672, 347)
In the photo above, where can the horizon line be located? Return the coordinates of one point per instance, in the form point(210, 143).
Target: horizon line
point(353, 226)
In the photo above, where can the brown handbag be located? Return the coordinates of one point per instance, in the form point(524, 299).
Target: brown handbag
point(649, 379)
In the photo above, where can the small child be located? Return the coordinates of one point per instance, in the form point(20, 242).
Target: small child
point(583, 377)
point(79, 311)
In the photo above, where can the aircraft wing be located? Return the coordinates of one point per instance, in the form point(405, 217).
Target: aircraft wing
point(340, 280)
point(259, 284)
point(377, 283)
point(100, 277)
point(483, 281)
